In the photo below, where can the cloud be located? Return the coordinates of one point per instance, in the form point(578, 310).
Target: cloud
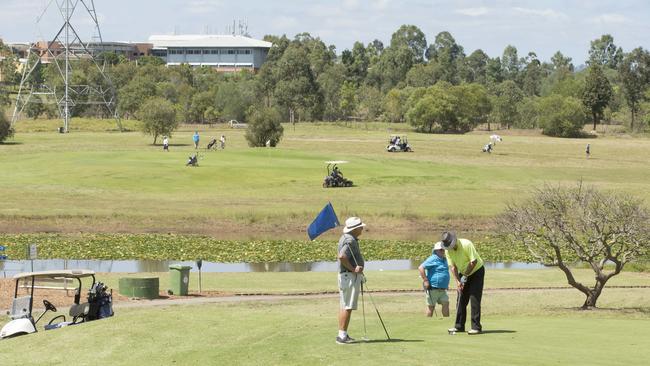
point(473, 12)
point(542, 13)
point(350, 4)
point(203, 6)
point(381, 4)
point(610, 18)
point(284, 23)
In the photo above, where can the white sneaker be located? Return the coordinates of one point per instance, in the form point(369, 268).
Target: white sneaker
point(474, 331)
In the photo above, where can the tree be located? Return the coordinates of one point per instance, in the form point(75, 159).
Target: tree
point(510, 64)
point(508, 96)
point(370, 105)
point(476, 67)
point(597, 93)
point(634, 71)
point(532, 75)
point(446, 55)
point(6, 131)
point(603, 52)
point(472, 107)
point(135, 93)
point(561, 116)
point(348, 99)
point(559, 62)
point(413, 39)
point(330, 83)
point(560, 225)
point(296, 88)
point(158, 117)
point(435, 108)
point(264, 126)
point(392, 68)
point(395, 104)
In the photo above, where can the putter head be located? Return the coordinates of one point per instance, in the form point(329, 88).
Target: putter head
point(451, 332)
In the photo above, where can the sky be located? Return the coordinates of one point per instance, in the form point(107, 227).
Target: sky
point(541, 26)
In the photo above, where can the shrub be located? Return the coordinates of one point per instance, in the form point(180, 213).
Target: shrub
point(264, 126)
point(561, 116)
point(5, 127)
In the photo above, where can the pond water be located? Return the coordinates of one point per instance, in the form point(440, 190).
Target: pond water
point(10, 267)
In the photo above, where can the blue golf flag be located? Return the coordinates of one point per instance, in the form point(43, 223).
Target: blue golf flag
point(325, 220)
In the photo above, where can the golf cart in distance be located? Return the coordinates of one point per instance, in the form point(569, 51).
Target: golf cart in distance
point(98, 304)
point(334, 177)
point(398, 143)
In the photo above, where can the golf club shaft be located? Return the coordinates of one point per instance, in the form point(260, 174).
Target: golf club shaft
point(363, 308)
point(379, 315)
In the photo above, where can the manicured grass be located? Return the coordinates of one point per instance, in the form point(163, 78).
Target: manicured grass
point(114, 182)
point(522, 328)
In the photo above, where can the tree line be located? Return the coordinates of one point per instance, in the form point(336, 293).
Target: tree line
point(435, 87)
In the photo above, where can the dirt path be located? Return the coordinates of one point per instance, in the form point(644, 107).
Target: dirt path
point(62, 298)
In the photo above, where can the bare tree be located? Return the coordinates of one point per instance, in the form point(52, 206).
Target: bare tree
point(562, 225)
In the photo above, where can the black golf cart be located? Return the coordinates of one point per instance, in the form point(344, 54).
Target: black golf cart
point(334, 177)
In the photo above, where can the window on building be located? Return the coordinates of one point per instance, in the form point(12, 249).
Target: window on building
point(206, 52)
point(232, 52)
point(214, 52)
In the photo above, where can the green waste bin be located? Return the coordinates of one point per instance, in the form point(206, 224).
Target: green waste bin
point(179, 279)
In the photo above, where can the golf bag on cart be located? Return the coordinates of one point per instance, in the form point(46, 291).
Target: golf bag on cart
point(100, 301)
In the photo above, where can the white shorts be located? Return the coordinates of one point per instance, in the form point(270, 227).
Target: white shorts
point(349, 287)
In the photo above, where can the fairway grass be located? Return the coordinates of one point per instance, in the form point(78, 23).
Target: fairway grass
point(534, 327)
point(118, 182)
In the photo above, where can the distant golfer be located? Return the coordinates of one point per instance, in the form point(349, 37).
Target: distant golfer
point(588, 150)
point(350, 275)
point(467, 268)
point(196, 138)
point(165, 144)
point(435, 280)
point(223, 142)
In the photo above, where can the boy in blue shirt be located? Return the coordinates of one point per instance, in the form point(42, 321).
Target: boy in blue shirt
point(436, 280)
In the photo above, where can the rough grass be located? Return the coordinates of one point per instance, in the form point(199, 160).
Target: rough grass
point(118, 182)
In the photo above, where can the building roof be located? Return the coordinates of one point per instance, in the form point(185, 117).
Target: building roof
point(211, 40)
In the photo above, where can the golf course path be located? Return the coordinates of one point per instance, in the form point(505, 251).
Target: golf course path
point(238, 298)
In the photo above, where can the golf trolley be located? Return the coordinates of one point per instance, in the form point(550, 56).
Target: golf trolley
point(97, 306)
point(334, 177)
point(398, 143)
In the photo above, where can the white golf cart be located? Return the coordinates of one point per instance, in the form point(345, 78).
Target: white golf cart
point(97, 306)
point(398, 143)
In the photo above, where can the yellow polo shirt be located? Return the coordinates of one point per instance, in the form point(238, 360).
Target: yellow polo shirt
point(464, 253)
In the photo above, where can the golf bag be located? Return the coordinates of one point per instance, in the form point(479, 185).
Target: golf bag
point(193, 160)
point(487, 148)
point(212, 143)
point(100, 302)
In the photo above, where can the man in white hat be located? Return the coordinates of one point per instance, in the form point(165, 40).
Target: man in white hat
point(350, 275)
point(467, 268)
point(436, 280)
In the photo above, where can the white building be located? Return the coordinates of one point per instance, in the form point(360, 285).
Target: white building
point(224, 52)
